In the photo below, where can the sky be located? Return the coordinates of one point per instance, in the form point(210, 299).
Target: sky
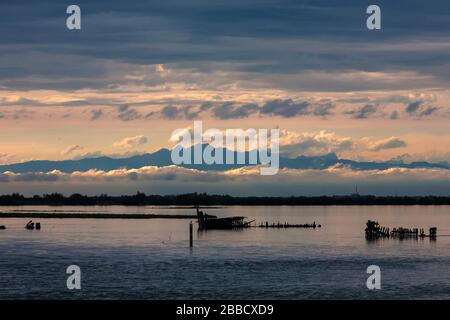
point(138, 70)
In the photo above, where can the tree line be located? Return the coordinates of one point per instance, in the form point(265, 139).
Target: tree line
point(203, 199)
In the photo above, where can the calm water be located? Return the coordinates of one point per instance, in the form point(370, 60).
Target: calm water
point(150, 259)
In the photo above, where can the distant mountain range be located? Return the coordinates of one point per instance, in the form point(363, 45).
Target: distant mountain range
point(162, 158)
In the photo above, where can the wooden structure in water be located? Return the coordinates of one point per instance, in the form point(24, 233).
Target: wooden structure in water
point(286, 225)
point(207, 222)
point(407, 233)
point(375, 231)
point(31, 225)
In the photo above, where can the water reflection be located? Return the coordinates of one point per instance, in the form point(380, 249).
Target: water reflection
point(152, 258)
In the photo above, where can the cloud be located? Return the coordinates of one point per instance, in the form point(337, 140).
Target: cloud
point(322, 142)
point(419, 109)
point(98, 154)
point(71, 149)
point(389, 143)
point(96, 114)
point(393, 115)
point(412, 107)
point(338, 179)
point(89, 155)
point(400, 159)
point(128, 114)
point(294, 144)
point(171, 112)
point(19, 101)
point(131, 142)
point(416, 105)
point(363, 112)
point(302, 50)
point(170, 173)
point(6, 158)
point(324, 110)
point(286, 108)
point(17, 113)
point(174, 173)
point(428, 111)
point(317, 143)
point(229, 110)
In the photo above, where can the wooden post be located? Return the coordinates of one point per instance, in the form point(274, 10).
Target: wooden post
point(433, 233)
point(191, 237)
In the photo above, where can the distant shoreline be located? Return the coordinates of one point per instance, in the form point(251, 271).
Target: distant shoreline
point(48, 215)
point(213, 201)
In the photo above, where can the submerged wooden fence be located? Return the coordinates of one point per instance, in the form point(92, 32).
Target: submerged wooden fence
point(374, 231)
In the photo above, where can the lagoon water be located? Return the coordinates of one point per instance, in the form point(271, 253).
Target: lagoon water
point(151, 259)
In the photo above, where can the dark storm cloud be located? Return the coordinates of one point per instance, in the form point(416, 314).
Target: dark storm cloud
point(257, 36)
